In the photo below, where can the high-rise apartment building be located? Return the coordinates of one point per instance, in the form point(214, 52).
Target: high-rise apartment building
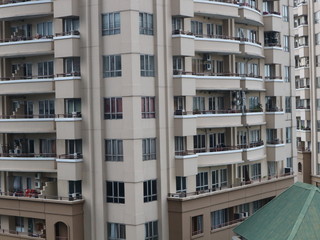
point(136, 119)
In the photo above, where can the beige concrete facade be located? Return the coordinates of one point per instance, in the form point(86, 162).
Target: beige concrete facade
point(136, 119)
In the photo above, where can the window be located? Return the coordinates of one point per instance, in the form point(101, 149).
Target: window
point(181, 184)
point(288, 135)
point(255, 136)
point(202, 181)
point(148, 107)
point(74, 147)
point(285, 13)
point(44, 29)
point(288, 104)
point(299, 167)
point(71, 25)
point(286, 74)
point(113, 108)
point(219, 178)
point(111, 23)
point(199, 143)
point(180, 145)
point(146, 23)
point(46, 108)
point(72, 65)
point(151, 230)
point(147, 65)
point(19, 222)
point(256, 171)
point(318, 125)
point(178, 65)
point(75, 189)
point(26, 70)
point(149, 149)
point(116, 231)
point(115, 192)
point(317, 40)
point(286, 43)
point(114, 150)
point(197, 28)
point(72, 107)
point(219, 218)
point(289, 162)
point(197, 225)
point(45, 69)
point(150, 190)
point(253, 70)
point(272, 39)
point(318, 104)
point(198, 104)
point(177, 24)
point(253, 103)
point(272, 168)
point(112, 66)
point(317, 17)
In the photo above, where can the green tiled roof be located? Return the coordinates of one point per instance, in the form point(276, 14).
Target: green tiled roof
point(293, 215)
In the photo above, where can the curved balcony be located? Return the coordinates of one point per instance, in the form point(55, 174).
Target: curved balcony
point(217, 44)
point(13, 9)
point(216, 8)
point(182, 8)
point(27, 124)
point(182, 43)
point(253, 117)
point(66, 8)
point(254, 151)
point(276, 150)
point(68, 85)
point(29, 162)
point(250, 48)
point(67, 44)
point(26, 85)
point(26, 46)
point(274, 53)
point(251, 82)
point(250, 15)
point(218, 118)
point(186, 83)
point(69, 126)
point(272, 21)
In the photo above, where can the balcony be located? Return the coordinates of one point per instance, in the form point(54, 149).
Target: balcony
point(253, 117)
point(67, 44)
point(218, 118)
point(276, 150)
point(250, 15)
point(68, 85)
point(304, 133)
point(69, 166)
point(63, 8)
point(252, 82)
point(301, 50)
point(26, 85)
point(302, 30)
point(254, 151)
point(182, 8)
point(27, 124)
point(272, 21)
point(69, 126)
point(217, 44)
point(184, 83)
point(13, 9)
point(182, 43)
point(218, 8)
point(29, 162)
point(19, 46)
point(185, 125)
point(303, 93)
point(275, 118)
point(250, 48)
point(186, 163)
point(275, 86)
point(183, 206)
point(274, 53)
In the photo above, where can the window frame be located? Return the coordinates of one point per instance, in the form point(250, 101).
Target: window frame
point(114, 150)
point(150, 190)
point(111, 23)
point(115, 192)
point(112, 66)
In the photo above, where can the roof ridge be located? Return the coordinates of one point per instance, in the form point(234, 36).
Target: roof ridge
point(302, 214)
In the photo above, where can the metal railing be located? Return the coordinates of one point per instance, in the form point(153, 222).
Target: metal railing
point(44, 116)
point(71, 156)
point(72, 74)
point(29, 155)
point(27, 234)
point(25, 38)
point(20, 194)
point(68, 33)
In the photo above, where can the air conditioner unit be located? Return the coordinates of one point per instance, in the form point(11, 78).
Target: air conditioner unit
point(38, 176)
point(37, 184)
point(208, 66)
point(245, 214)
point(207, 57)
point(287, 170)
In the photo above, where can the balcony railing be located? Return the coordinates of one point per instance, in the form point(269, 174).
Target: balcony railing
point(71, 156)
point(275, 141)
point(272, 77)
point(271, 44)
point(219, 148)
point(29, 155)
point(28, 234)
point(271, 12)
point(68, 33)
point(242, 183)
point(59, 75)
point(274, 109)
point(225, 224)
point(212, 74)
point(25, 38)
point(26, 116)
point(37, 195)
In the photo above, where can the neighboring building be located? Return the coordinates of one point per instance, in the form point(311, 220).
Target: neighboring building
point(143, 119)
point(292, 215)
